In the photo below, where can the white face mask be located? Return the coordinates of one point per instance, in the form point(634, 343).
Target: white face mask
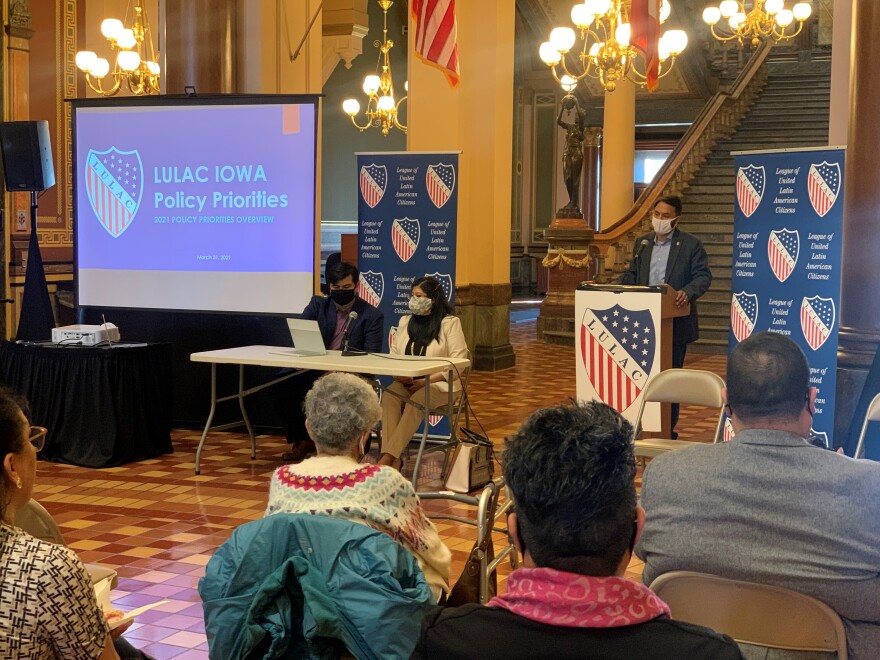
point(662, 226)
point(420, 306)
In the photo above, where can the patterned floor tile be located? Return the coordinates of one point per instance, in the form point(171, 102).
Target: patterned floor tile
point(158, 523)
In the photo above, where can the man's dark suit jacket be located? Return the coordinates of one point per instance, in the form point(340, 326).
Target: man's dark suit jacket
point(366, 331)
point(686, 270)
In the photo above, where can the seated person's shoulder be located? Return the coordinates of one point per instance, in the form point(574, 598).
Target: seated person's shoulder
point(689, 641)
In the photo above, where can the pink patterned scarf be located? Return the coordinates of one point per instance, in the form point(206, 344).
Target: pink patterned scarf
point(564, 599)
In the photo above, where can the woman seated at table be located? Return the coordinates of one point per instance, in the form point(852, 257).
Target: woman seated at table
point(430, 330)
point(341, 411)
point(49, 605)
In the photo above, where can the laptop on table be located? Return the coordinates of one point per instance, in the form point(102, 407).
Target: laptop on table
point(307, 339)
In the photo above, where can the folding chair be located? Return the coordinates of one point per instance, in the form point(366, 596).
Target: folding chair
point(485, 502)
point(687, 386)
point(872, 415)
point(452, 408)
point(754, 614)
point(36, 521)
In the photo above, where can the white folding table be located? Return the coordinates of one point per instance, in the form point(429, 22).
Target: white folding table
point(279, 356)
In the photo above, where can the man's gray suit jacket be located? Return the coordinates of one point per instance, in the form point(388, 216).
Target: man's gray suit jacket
point(768, 507)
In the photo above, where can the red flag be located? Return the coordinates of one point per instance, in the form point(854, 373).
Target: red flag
point(645, 35)
point(436, 38)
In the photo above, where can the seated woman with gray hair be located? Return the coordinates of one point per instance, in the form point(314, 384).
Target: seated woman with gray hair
point(341, 411)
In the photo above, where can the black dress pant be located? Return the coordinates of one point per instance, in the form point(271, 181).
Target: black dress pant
point(678, 353)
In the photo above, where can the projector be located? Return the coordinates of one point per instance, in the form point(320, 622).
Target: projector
point(85, 335)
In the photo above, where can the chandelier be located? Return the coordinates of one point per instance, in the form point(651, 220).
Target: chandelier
point(381, 109)
point(135, 64)
point(606, 53)
point(768, 19)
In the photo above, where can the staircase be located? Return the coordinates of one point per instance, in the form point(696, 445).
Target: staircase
point(790, 112)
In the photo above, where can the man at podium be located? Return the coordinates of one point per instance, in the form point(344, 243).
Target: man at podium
point(670, 256)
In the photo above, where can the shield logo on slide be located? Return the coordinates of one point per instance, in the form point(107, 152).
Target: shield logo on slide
point(405, 237)
point(371, 286)
point(618, 347)
point(114, 183)
point(823, 186)
point(750, 183)
point(440, 180)
point(782, 249)
point(373, 181)
point(817, 320)
point(445, 281)
point(743, 314)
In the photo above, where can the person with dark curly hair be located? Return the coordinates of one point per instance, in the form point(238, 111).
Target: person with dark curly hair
point(570, 471)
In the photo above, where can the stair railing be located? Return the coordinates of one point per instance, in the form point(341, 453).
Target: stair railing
point(612, 247)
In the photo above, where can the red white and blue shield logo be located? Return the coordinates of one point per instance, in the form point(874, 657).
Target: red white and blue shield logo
point(373, 181)
point(440, 180)
point(728, 433)
point(750, 184)
point(114, 184)
point(445, 281)
point(817, 320)
point(618, 347)
point(391, 333)
point(820, 436)
point(433, 420)
point(743, 314)
point(371, 286)
point(405, 237)
point(823, 186)
point(783, 249)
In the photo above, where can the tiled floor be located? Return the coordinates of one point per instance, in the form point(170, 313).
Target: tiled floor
point(158, 523)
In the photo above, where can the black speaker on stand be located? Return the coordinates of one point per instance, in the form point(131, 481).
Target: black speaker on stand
point(27, 167)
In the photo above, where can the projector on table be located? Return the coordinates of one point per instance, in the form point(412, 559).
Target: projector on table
point(85, 335)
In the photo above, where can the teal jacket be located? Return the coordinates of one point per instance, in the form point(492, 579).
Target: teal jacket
point(302, 586)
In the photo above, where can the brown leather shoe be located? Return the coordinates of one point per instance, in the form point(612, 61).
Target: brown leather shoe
point(299, 452)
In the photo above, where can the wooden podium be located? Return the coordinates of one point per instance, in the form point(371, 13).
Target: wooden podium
point(660, 301)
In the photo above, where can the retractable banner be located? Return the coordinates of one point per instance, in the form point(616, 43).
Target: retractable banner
point(407, 222)
point(787, 242)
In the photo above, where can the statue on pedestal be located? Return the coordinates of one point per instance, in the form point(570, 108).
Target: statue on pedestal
point(573, 154)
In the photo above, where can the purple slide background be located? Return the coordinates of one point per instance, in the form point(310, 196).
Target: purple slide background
point(212, 136)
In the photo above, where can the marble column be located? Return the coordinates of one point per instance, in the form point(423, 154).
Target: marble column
point(477, 119)
point(200, 46)
point(860, 310)
point(590, 184)
point(618, 153)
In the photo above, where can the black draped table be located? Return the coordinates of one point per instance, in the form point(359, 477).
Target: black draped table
point(103, 406)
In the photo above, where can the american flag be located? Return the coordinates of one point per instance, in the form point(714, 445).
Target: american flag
point(440, 180)
point(433, 420)
point(373, 181)
point(436, 37)
point(405, 237)
point(782, 249)
point(750, 188)
point(645, 22)
point(823, 185)
point(618, 347)
point(371, 286)
point(743, 314)
point(817, 320)
point(114, 182)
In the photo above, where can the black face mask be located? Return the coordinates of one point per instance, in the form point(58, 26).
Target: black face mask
point(342, 297)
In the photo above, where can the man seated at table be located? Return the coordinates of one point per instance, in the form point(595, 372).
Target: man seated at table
point(571, 473)
point(331, 312)
point(768, 506)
